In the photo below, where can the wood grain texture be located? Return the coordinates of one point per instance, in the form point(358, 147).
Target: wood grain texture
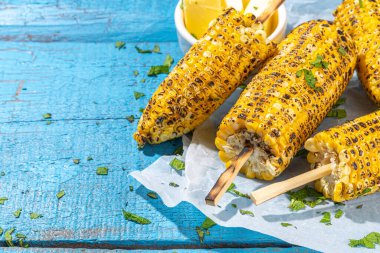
point(59, 57)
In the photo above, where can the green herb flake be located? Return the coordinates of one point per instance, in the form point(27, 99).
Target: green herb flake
point(302, 153)
point(152, 195)
point(306, 196)
point(48, 122)
point(131, 188)
point(326, 219)
point(21, 243)
point(339, 204)
point(246, 212)
point(143, 80)
point(339, 213)
point(234, 205)
point(157, 70)
point(47, 116)
point(255, 7)
point(102, 171)
point(181, 6)
point(285, 224)
point(178, 151)
point(319, 62)
point(195, 36)
point(296, 205)
point(366, 191)
point(89, 158)
point(337, 113)
point(138, 95)
point(168, 61)
point(8, 237)
point(60, 194)
point(20, 236)
point(2, 200)
point(2, 173)
point(309, 78)
point(201, 234)
point(135, 218)
point(76, 161)
point(361, 4)
point(120, 44)
point(156, 49)
point(208, 223)
point(135, 73)
point(368, 241)
point(177, 164)
point(172, 184)
point(342, 51)
point(359, 206)
point(130, 118)
point(232, 189)
point(17, 213)
point(34, 216)
point(1, 231)
point(141, 109)
point(340, 102)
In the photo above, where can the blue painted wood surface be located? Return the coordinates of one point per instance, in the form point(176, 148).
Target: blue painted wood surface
point(59, 57)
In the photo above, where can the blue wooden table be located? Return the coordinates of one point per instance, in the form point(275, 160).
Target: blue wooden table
point(59, 57)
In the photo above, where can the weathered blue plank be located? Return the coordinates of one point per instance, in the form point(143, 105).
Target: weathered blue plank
point(226, 250)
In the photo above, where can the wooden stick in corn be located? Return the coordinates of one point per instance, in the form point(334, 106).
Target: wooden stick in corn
point(211, 70)
point(361, 19)
point(344, 161)
point(288, 99)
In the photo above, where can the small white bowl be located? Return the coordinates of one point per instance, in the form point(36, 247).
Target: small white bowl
point(186, 40)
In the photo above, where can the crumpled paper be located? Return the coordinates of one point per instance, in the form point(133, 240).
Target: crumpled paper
point(203, 168)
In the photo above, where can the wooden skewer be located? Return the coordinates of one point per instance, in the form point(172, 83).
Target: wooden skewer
point(228, 176)
point(273, 190)
point(273, 6)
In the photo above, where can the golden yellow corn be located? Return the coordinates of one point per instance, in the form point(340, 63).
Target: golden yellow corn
point(280, 109)
point(353, 152)
point(213, 68)
point(361, 19)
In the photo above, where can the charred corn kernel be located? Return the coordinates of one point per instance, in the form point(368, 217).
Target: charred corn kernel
point(362, 20)
point(278, 110)
point(213, 68)
point(359, 175)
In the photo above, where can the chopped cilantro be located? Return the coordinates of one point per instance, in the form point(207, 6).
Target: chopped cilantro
point(246, 212)
point(255, 7)
point(172, 184)
point(138, 94)
point(135, 73)
point(340, 101)
point(339, 204)
point(365, 191)
point(156, 49)
point(143, 80)
point(319, 62)
point(135, 218)
point(1, 231)
point(309, 78)
point(17, 213)
point(285, 224)
point(8, 237)
point(47, 116)
point(338, 213)
point(367, 241)
point(326, 219)
point(89, 158)
point(302, 153)
point(131, 188)
point(48, 122)
point(141, 110)
point(208, 223)
point(359, 206)
point(20, 236)
point(195, 36)
point(181, 6)
point(168, 61)
point(156, 70)
point(34, 216)
point(130, 118)
point(361, 4)
point(177, 164)
point(152, 195)
point(102, 171)
point(178, 151)
point(201, 234)
point(337, 113)
point(120, 44)
point(60, 194)
point(76, 161)
point(2, 200)
point(305, 196)
point(232, 189)
point(234, 205)
point(342, 51)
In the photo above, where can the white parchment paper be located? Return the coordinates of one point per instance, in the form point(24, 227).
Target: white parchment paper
point(203, 167)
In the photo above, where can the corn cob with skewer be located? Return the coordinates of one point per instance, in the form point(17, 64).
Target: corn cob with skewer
point(361, 19)
point(213, 68)
point(353, 152)
point(282, 106)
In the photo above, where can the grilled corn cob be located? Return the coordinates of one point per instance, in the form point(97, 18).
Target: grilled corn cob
point(353, 151)
point(213, 68)
point(361, 19)
point(278, 110)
